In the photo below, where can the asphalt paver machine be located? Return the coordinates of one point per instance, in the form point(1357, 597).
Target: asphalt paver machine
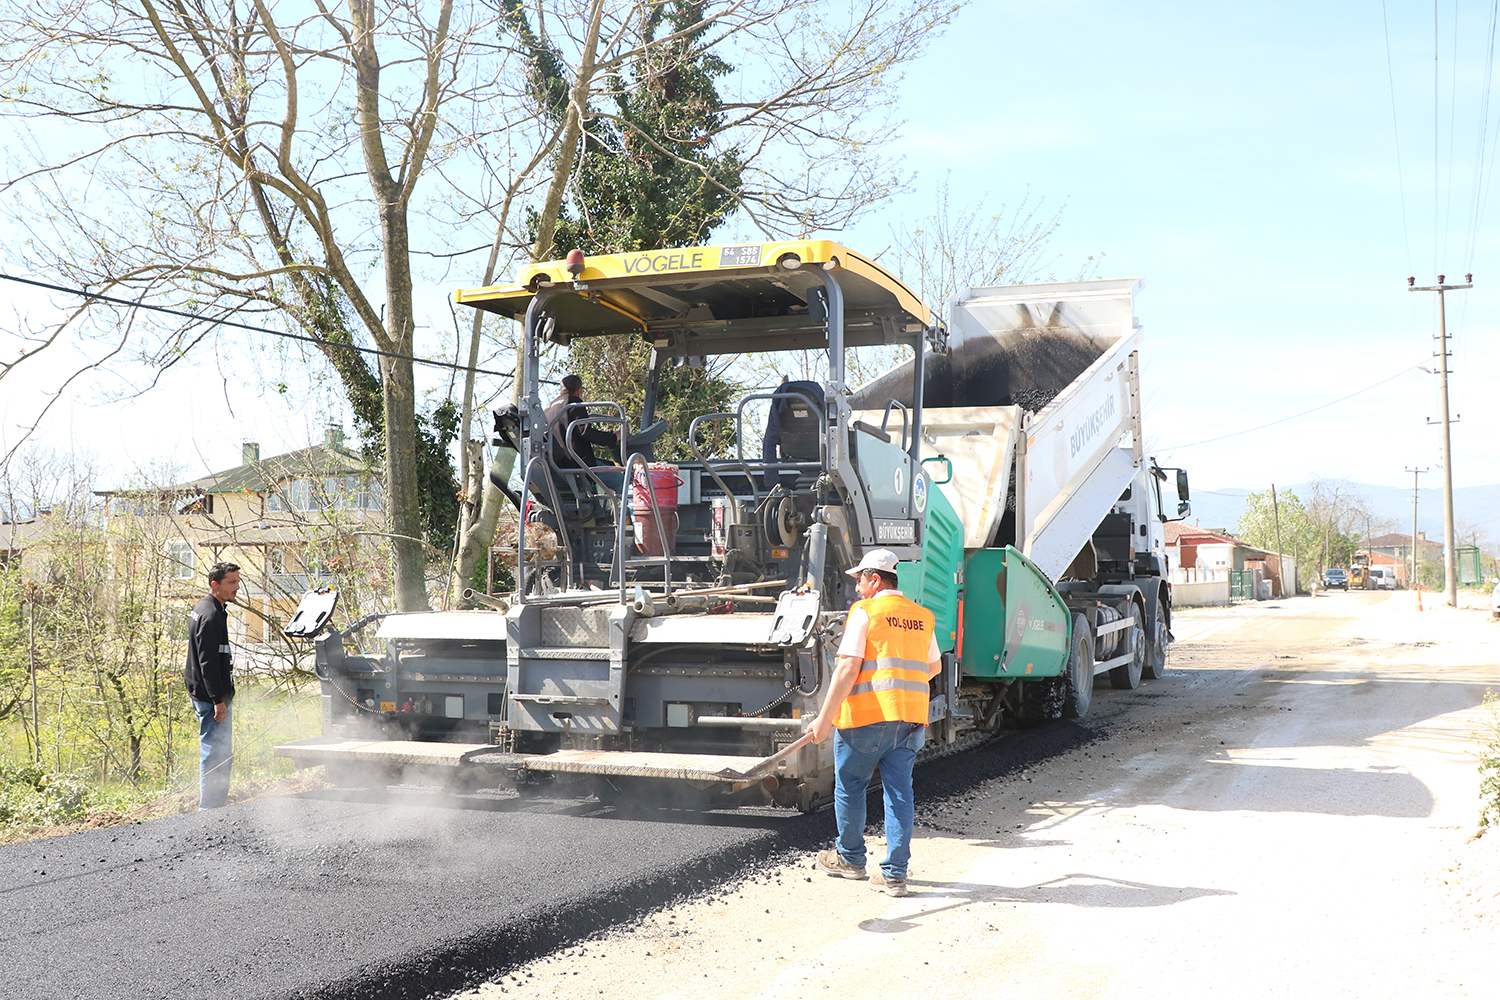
point(681, 620)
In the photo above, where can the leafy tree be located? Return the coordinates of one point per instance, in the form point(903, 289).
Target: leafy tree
point(1259, 523)
point(809, 117)
point(1298, 536)
point(649, 177)
point(1341, 515)
point(254, 161)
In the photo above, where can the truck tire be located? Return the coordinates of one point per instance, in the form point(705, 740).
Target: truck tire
point(1080, 670)
point(1128, 677)
point(1156, 651)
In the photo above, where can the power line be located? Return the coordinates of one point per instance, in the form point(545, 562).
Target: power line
point(1476, 214)
point(1282, 420)
point(1396, 130)
point(1452, 133)
point(200, 318)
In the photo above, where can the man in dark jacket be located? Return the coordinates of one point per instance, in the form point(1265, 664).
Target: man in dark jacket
point(563, 411)
point(210, 683)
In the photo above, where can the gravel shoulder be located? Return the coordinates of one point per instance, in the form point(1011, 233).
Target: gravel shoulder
point(1288, 813)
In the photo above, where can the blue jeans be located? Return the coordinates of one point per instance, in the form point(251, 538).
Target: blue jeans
point(215, 754)
point(857, 752)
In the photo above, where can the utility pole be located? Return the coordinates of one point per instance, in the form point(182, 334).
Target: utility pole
point(1369, 551)
point(1280, 559)
point(1450, 557)
point(1415, 579)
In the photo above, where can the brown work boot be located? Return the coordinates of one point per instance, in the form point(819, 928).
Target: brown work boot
point(890, 886)
point(833, 863)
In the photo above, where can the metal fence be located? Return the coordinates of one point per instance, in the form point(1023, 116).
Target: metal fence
point(1241, 585)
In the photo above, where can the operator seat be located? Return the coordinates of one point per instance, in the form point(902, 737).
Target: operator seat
point(794, 430)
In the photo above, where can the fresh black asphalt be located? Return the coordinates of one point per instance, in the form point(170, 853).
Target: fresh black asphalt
point(406, 896)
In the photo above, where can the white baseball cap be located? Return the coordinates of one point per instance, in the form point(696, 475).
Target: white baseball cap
point(882, 559)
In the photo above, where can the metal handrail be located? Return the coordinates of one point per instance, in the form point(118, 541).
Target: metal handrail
point(750, 468)
point(822, 462)
point(635, 459)
point(562, 530)
point(583, 466)
point(905, 418)
point(707, 466)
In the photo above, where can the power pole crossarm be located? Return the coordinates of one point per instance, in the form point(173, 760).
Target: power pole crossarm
point(1450, 557)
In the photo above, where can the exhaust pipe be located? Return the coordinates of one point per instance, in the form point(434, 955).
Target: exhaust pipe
point(677, 602)
point(498, 603)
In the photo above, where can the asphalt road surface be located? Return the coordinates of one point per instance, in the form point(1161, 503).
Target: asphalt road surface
point(1281, 815)
point(302, 897)
point(346, 895)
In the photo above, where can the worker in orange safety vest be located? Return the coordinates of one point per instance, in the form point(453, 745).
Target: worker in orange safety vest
point(877, 702)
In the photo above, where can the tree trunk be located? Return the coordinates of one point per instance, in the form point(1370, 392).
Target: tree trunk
point(403, 520)
point(408, 561)
point(482, 532)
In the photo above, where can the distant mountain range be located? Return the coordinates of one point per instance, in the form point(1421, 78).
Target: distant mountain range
point(1475, 506)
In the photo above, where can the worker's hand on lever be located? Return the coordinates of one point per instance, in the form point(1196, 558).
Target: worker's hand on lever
point(822, 726)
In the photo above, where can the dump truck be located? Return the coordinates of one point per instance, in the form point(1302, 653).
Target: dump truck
point(673, 625)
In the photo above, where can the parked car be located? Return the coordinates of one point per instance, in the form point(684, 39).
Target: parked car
point(1336, 578)
point(1384, 579)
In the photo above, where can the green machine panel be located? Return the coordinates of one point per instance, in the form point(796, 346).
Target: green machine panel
point(1015, 623)
point(933, 582)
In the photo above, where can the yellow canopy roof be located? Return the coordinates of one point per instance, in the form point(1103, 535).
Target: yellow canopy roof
point(716, 299)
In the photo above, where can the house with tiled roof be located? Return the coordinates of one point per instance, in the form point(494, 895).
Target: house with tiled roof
point(18, 537)
point(1204, 554)
point(1393, 551)
point(288, 521)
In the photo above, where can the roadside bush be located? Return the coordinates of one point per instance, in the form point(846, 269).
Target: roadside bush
point(1489, 764)
point(30, 796)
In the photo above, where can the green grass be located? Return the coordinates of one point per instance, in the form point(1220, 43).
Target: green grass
point(44, 794)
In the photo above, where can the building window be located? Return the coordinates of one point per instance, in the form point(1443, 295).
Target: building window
point(315, 568)
point(180, 560)
point(326, 493)
point(276, 561)
point(136, 506)
point(203, 503)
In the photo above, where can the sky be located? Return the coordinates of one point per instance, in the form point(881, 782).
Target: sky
point(1271, 172)
point(1244, 162)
